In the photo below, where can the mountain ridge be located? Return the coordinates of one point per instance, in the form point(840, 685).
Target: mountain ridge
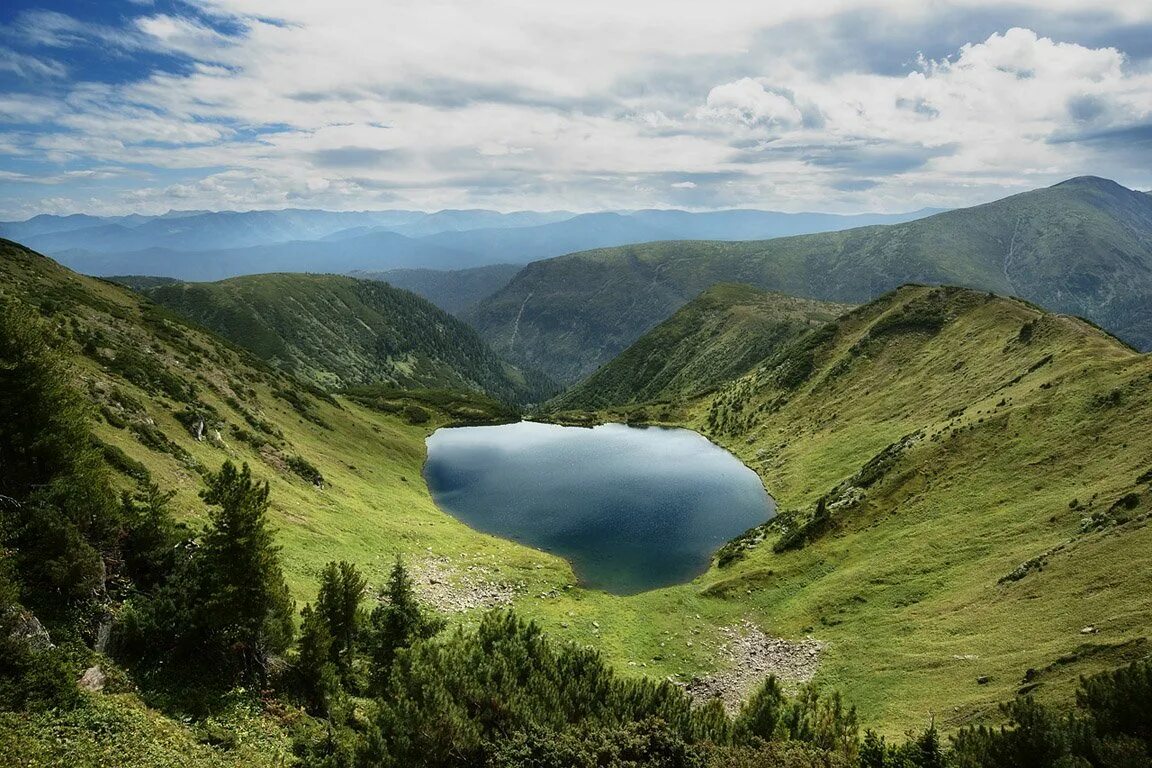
point(341, 332)
point(716, 337)
point(1082, 248)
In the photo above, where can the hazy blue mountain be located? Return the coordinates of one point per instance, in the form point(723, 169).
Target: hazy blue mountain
point(210, 231)
point(199, 245)
point(525, 244)
point(454, 291)
point(375, 252)
point(462, 220)
point(605, 230)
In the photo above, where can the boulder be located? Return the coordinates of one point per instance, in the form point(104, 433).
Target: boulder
point(92, 679)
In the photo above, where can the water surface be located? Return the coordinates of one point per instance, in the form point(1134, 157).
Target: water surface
point(631, 508)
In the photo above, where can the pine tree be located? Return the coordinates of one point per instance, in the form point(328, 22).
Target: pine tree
point(396, 623)
point(316, 677)
point(338, 605)
point(760, 715)
point(873, 750)
point(246, 609)
point(150, 535)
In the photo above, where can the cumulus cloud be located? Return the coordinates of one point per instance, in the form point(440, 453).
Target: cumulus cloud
point(747, 101)
point(256, 103)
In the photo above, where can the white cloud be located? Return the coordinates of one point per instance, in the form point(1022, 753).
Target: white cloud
point(748, 102)
point(510, 104)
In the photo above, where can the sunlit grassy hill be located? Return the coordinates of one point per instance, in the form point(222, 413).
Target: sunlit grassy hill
point(345, 478)
point(964, 482)
point(716, 337)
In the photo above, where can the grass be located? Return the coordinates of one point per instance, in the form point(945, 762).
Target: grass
point(904, 589)
point(713, 339)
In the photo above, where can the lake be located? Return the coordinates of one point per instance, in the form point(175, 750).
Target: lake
point(630, 508)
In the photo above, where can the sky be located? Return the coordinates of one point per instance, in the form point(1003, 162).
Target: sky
point(141, 106)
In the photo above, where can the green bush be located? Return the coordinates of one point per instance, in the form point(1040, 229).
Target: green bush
point(415, 414)
point(305, 469)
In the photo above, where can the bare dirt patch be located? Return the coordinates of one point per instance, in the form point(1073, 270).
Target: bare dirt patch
point(751, 656)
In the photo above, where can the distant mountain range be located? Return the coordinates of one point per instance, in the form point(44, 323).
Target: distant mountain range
point(1082, 247)
point(199, 245)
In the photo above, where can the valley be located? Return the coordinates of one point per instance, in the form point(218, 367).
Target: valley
point(587, 385)
point(962, 480)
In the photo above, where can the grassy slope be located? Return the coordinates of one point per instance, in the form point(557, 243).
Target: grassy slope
point(930, 596)
point(340, 331)
point(1082, 247)
point(373, 505)
point(906, 587)
point(715, 338)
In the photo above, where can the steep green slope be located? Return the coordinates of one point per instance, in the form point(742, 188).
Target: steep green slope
point(172, 399)
point(966, 485)
point(453, 291)
point(985, 470)
point(339, 331)
point(963, 558)
point(1083, 247)
point(171, 402)
point(716, 337)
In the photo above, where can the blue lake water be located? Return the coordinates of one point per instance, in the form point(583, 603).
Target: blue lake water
point(631, 508)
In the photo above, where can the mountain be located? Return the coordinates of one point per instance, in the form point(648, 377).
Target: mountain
point(1083, 247)
point(194, 230)
point(964, 483)
point(340, 331)
point(454, 291)
point(718, 336)
point(199, 245)
point(464, 220)
point(170, 402)
point(601, 230)
point(984, 467)
point(373, 251)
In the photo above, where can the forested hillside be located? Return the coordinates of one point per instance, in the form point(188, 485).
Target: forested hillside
point(454, 291)
point(341, 331)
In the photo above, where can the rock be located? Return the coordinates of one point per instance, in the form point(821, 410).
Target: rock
point(28, 628)
point(982, 680)
point(1089, 630)
point(92, 679)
